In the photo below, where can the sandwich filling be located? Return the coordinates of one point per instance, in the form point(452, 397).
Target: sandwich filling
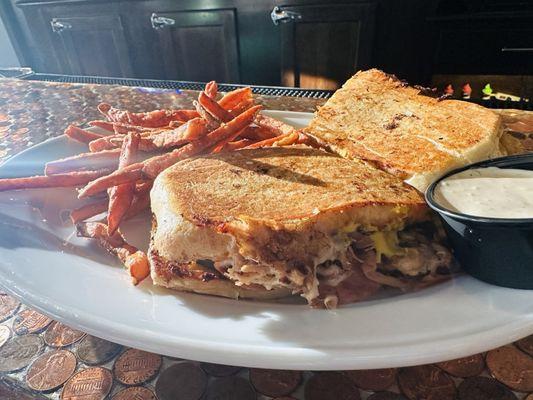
point(345, 267)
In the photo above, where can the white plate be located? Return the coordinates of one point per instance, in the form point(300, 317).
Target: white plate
point(74, 281)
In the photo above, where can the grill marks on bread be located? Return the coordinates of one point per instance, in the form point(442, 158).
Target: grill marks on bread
point(376, 117)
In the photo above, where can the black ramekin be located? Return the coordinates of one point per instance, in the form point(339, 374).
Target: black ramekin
point(494, 250)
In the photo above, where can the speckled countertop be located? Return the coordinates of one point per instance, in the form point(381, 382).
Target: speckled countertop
point(31, 112)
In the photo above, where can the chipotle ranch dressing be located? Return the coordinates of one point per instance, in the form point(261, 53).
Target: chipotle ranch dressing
point(488, 192)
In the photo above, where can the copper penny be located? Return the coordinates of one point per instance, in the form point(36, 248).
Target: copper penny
point(426, 382)
point(464, 367)
point(51, 370)
point(219, 369)
point(526, 344)
point(482, 388)
point(88, 384)
point(373, 379)
point(30, 321)
point(134, 367)
point(5, 334)
point(19, 351)
point(11, 390)
point(331, 386)
point(183, 381)
point(512, 367)
point(135, 393)
point(60, 335)
point(386, 396)
point(230, 388)
point(8, 306)
point(275, 382)
point(93, 350)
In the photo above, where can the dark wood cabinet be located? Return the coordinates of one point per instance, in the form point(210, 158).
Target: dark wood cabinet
point(197, 45)
point(92, 45)
point(79, 40)
point(323, 45)
point(314, 43)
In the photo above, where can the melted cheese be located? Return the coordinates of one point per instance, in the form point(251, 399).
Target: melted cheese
point(386, 243)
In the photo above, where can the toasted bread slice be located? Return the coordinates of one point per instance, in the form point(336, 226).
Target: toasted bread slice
point(268, 217)
point(377, 117)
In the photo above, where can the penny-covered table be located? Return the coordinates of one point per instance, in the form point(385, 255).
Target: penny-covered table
point(41, 358)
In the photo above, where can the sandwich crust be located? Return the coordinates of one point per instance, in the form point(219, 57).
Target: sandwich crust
point(210, 201)
point(377, 117)
point(277, 184)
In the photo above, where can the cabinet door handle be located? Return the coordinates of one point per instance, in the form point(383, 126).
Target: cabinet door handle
point(58, 26)
point(161, 22)
point(282, 16)
point(517, 49)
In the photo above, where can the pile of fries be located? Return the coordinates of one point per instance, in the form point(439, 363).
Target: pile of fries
point(119, 169)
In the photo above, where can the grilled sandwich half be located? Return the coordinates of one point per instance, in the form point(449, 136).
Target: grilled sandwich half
point(377, 117)
point(270, 222)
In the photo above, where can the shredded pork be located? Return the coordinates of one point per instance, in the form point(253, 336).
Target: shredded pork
point(351, 273)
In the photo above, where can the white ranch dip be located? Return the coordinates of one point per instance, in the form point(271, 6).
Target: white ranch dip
point(488, 192)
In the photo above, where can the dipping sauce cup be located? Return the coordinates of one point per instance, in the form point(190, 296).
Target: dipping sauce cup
point(495, 250)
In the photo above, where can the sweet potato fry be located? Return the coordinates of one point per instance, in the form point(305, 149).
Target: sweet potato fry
point(103, 143)
point(60, 180)
point(211, 89)
point(110, 142)
point(212, 122)
point(143, 186)
point(131, 173)
point(107, 159)
point(308, 141)
point(232, 99)
point(117, 127)
point(276, 126)
point(282, 140)
point(241, 107)
point(153, 166)
point(81, 135)
point(88, 211)
point(175, 124)
point(133, 259)
point(121, 196)
point(151, 119)
point(231, 146)
point(183, 115)
point(225, 133)
point(104, 108)
point(213, 108)
point(288, 140)
point(192, 130)
point(105, 125)
point(138, 266)
point(146, 144)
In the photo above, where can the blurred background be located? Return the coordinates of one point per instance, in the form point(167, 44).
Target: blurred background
point(460, 46)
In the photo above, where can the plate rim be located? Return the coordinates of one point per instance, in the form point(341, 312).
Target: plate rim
point(331, 359)
point(315, 358)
